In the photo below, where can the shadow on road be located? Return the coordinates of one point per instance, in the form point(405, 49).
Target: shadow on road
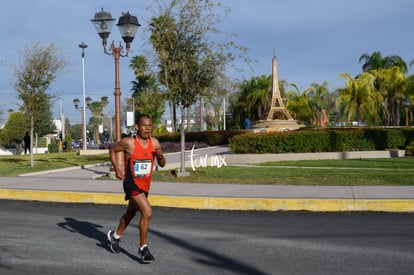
point(215, 259)
point(86, 229)
point(91, 231)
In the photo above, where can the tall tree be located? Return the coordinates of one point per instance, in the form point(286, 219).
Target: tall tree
point(390, 82)
point(40, 66)
point(97, 111)
point(147, 95)
point(163, 40)
point(393, 86)
point(298, 105)
point(376, 61)
point(14, 130)
point(188, 59)
point(361, 100)
point(217, 99)
point(252, 100)
point(237, 108)
point(259, 93)
point(320, 101)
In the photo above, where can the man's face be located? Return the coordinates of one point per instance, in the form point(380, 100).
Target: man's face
point(144, 127)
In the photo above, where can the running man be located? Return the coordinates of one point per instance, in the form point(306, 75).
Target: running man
point(140, 152)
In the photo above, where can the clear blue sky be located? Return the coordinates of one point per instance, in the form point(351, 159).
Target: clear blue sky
point(314, 40)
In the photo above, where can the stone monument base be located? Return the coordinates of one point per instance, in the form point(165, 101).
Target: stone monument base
point(275, 125)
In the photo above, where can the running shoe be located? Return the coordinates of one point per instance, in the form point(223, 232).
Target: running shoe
point(145, 255)
point(113, 243)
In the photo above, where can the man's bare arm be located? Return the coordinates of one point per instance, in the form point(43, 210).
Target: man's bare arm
point(116, 154)
point(158, 152)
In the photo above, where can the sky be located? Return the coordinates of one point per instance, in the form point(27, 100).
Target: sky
point(314, 41)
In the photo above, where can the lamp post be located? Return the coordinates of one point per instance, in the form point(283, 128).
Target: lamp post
point(62, 119)
point(128, 26)
point(406, 103)
point(83, 46)
point(88, 102)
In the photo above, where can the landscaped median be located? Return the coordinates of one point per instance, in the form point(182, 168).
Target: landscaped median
point(347, 181)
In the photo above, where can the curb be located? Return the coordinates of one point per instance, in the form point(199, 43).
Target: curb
point(216, 203)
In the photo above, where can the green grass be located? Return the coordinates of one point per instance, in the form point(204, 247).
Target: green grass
point(310, 172)
point(14, 165)
point(388, 171)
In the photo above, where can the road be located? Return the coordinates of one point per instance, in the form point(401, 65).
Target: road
point(55, 238)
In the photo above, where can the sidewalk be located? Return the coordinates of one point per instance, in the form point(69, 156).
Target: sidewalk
point(78, 185)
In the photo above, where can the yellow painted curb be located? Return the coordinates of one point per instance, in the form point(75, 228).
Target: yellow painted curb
point(62, 196)
point(263, 204)
point(319, 205)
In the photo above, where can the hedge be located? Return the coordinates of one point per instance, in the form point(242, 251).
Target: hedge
point(323, 140)
point(212, 138)
point(304, 140)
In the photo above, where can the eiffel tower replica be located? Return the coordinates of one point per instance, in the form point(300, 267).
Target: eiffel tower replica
point(279, 118)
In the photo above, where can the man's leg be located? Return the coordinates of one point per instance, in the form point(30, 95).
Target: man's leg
point(114, 237)
point(141, 202)
point(126, 218)
point(144, 208)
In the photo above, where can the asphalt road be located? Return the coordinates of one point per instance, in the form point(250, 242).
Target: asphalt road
point(55, 238)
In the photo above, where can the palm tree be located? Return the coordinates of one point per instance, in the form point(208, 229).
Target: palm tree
point(148, 98)
point(318, 97)
point(298, 105)
point(392, 85)
point(361, 100)
point(238, 110)
point(255, 95)
point(390, 82)
point(97, 110)
point(259, 96)
point(376, 61)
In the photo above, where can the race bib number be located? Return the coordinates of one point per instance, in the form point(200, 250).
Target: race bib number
point(142, 168)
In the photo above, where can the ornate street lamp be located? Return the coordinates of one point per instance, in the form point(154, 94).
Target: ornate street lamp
point(88, 102)
point(128, 26)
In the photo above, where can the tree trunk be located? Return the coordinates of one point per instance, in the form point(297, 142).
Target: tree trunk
point(201, 114)
point(182, 172)
point(188, 118)
point(171, 116)
point(31, 141)
point(174, 119)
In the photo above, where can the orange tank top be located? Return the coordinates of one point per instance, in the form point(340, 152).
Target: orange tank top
point(141, 164)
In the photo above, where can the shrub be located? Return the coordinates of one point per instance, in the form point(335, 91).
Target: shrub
point(41, 142)
point(169, 147)
point(325, 140)
point(212, 138)
point(68, 139)
point(53, 148)
point(300, 141)
point(409, 150)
